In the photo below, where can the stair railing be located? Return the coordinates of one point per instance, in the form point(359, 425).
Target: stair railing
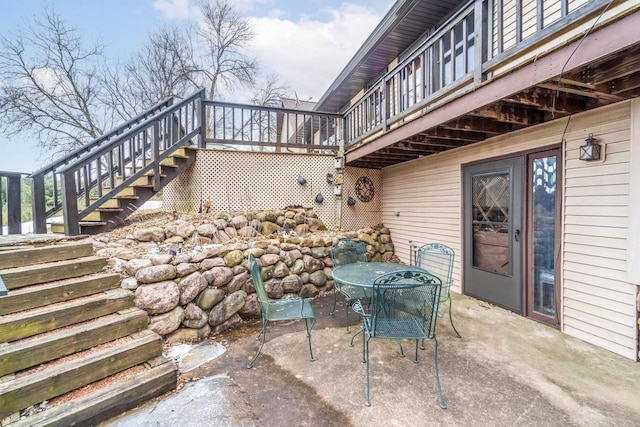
point(103, 173)
point(43, 209)
point(11, 197)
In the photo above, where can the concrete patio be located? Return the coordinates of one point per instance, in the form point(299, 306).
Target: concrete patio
point(505, 371)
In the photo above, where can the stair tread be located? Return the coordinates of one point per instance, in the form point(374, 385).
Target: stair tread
point(114, 396)
point(35, 321)
point(21, 257)
point(63, 375)
point(42, 294)
point(18, 277)
point(42, 348)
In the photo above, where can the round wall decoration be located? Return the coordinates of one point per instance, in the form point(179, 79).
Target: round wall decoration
point(364, 189)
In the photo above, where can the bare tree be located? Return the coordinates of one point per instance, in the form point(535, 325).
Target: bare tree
point(49, 85)
point(153, 73)
point(223, 58)
point(271, 91)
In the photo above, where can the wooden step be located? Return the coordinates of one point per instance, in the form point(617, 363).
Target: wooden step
point(109, 401)
point(50, 293)
point(24, 354)
point(29, 256)
point(31, 275)
point(58, 228)
point(97, 215)
point(24, 391)
point(33, 322)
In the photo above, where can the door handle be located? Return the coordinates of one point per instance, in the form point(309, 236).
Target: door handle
point(516, 235)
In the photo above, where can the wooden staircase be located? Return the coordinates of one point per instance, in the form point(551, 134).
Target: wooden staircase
point(114, 211)
point(72, 343)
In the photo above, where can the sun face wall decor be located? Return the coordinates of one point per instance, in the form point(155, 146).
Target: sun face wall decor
point(364, 189)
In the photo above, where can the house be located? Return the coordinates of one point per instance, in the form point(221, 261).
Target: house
point(508, 130)
point(477, 119)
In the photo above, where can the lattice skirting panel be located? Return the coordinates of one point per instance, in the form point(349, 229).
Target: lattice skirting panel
point(362, 214)
point(236, 181)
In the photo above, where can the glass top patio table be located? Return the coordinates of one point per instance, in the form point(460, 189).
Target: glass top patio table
point(363, 274)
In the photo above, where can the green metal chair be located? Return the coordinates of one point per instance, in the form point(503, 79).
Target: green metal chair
point(404, 306)
point(348, 251)
point(438, 260)
point(275, 310)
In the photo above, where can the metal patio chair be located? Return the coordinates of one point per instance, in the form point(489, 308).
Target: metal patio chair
point(282, 309)
point(404, 306)
point(438, 260)
point(348, 251)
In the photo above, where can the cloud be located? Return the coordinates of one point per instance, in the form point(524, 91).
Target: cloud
point(310, 53)
point(175, 9)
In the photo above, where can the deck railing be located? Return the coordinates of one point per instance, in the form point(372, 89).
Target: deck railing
point(462, 53)
point(94, 178)
point(270, 128)
point(44, 207)
point(11, 199)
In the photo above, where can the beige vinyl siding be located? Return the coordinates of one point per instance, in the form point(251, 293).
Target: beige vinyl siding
point(574, 4)
point(597, 304)
point(529, 18)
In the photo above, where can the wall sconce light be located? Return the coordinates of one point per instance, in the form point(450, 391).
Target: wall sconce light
point(396, 213)
point(337, 190)
point(351, 201)
point(338, 163)
point(319, 198)
point(301, 180)
point(591, 150)
point(329, 178)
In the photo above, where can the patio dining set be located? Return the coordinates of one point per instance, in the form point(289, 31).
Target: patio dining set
point(394, 301)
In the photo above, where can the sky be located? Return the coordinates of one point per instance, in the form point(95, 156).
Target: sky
point(305, 42)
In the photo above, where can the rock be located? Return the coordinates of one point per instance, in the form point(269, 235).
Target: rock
point(158, 297)
point(151, 234)
point(315, 225)
point(274, 288)
point(179, 228)
point(308, 291)
point(191, 286)
point(318, 278)
point(238, 282)
point(269, 228)
point(227, 308)
point(156, 273)
point(233, 322)
point(292, 284)
point(385, 238)
point(188, 335)
point(210, 263)
point(194, 317)
point(161, 259)
point(186, 268)
point(238, 222)
point(207, 230)
point(136, 264)
point(231, 232)
point(280, 270)
point(256, 252)
point(106, 252)
point(129, 283)
point(164, 324)
point(174, 239)
point(285, 246)
point(251, 308)
point(117, 265)
point(269, 259)
point(234, 257)
point(311, 264)
point(207, 253)
point(180, 258)
point(300, 218)
point(272, 250)
point(125, 253)
point(302, 229)
point(297, 267)
point(267, 216)
point(209, 297)
point(248, 232)
point(219, 276)
point(319, 252)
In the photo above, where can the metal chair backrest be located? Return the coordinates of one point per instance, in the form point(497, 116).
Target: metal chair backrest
point(438, 260)
point(256, 275)
point(348, 251)
point(403, 295)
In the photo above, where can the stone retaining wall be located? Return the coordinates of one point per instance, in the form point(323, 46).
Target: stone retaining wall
point(193, 279)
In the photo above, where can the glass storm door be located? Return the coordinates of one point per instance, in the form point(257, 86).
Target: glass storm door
point(492, 232)
point(544, 218)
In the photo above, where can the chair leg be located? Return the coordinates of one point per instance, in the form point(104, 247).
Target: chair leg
point(435, 363)
point(313, 322)
point(451, 319)
point(347, 305)
point(416, 359)
point(366, 354)
point(335, 298)
point(354, 336)
point(264, 335)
